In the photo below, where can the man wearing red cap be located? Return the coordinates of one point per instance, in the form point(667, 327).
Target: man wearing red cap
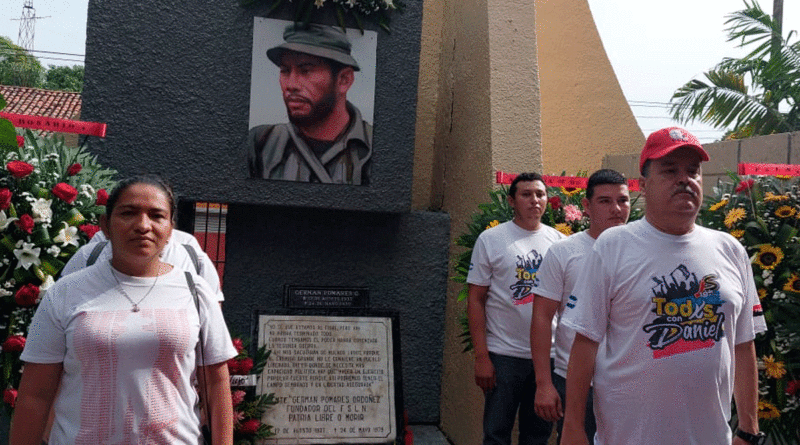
point(665, 313)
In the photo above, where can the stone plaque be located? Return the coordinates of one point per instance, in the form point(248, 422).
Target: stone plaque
point(333, 378)
point(315, 297)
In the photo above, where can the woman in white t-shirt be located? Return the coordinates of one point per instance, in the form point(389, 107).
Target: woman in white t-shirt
point(115, 347)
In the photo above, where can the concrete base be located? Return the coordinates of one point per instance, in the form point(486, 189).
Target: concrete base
point(428, 435)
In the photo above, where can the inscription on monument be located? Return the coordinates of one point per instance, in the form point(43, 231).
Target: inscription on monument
point(333, 378)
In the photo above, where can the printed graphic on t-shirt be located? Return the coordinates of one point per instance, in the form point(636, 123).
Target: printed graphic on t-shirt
point(688, 313)
point(527, 266)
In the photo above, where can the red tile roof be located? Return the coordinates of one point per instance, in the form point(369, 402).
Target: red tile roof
point(36, 102)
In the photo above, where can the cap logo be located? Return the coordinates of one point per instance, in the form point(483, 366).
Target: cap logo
point(678, 135)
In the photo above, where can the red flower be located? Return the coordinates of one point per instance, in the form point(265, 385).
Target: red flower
point(240, 366)
point(65, 192)
point(27, 295)
point(745, 186)
point(14, 343)
point(10, 396)
point(20, 141)
point(19, 169)
point(74, 169)
point(555, 202)
point(89, 229)
point(102, 197)
point(238, 344)
point(5, 198)
point(793, 388)
point(249, 426)
point(25, 223)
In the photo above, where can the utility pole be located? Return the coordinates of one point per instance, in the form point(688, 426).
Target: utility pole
point(777, 19)
point(27, 26)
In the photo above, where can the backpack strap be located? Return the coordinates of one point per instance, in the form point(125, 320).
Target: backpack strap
point(198, 266)
point(96, 253)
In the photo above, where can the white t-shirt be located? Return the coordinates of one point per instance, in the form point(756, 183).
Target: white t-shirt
point(506, 258)
point(127, 375)
point(556, 278)
point(174, 253)
point(671, 308)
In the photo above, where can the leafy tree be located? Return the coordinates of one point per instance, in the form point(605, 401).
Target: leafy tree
point(18, 67)
point(754, 95)
point(64, 78)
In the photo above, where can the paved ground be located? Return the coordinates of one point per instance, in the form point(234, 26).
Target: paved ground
point(428, 435)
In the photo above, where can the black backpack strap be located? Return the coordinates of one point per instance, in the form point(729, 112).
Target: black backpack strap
point(193, 289)
point(96, 252)
point(198, 266)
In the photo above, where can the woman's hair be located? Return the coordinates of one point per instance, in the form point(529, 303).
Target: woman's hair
point(148, 179)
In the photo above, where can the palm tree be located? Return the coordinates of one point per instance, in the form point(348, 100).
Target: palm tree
point(755, 95)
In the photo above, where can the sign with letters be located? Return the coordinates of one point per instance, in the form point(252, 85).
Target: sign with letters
point(333, 377)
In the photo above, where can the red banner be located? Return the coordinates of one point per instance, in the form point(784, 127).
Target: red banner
point(560, 181)
point(769, 169)
point(53, 124)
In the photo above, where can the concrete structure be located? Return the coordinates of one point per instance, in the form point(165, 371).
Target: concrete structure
point(458, 95)
point(508, 85)
point(725, 156)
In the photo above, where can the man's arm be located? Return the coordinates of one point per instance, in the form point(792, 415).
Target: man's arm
point(579, 379)
point(547, 403)
point(36, 393)
point(476, 315)
point(745, 389)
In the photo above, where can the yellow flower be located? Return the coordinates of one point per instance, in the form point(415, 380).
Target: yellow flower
point(718, 205)
point(769, 196)
point(773, 368)
point(768, 256)
point(733, 216)
point(783, 177)
point(762, 293)
point(785, 211)
point(564, 228)
point(767, 410)
point(738, 233)
point(793, 285)
point(492, 224)
point(570, 192)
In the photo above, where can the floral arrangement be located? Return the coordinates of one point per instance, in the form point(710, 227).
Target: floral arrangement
point(248, 408)
point(564, 213)
point(763, 213)
point(50, 198)
point(377, 11)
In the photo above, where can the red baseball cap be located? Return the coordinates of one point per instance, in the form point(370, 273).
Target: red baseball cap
point(665, 140)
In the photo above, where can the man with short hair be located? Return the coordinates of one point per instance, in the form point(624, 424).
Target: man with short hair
point(503, 268)
point(676, 308)
point(326, 140)
point(607, 203)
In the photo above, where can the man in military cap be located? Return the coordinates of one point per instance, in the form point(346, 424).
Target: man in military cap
point(326, 139)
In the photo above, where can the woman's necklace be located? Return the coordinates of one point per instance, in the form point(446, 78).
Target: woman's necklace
point(135, 307)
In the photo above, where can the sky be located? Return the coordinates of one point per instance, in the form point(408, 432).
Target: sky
point(654, 46)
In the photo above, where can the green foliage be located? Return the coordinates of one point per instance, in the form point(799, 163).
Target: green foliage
point(64, 78)
point(762, 213)
point(18, 67)
point(358, 11)
point(757, 94)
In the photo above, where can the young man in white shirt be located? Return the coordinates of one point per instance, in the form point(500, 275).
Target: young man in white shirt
point(504, 264)
point(607, 203)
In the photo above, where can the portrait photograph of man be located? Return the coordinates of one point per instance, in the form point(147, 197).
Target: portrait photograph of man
point(311, 103)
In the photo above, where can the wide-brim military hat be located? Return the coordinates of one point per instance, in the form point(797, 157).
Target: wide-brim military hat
point(317, 40)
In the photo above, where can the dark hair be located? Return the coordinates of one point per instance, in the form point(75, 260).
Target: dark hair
point(604, 176)
point(512, 191)
point(646, 168)
point(153, 180)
